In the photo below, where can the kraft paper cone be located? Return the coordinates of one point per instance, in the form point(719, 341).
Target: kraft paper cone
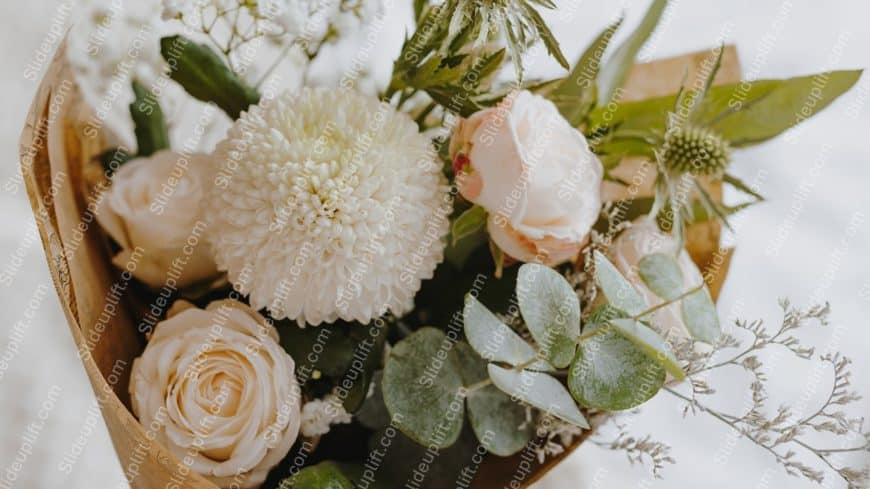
point(59, 143)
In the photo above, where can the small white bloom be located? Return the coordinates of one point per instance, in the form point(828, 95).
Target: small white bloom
point(216, 388)
point(320, 414)
point(152, 210)
point(329, 205)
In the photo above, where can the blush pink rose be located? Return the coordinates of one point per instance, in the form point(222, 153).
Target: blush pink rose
point(533, 173)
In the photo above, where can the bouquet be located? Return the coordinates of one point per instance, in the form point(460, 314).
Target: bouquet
point(449, 279)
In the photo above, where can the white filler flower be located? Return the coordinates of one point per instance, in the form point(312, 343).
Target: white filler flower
point(328, 204)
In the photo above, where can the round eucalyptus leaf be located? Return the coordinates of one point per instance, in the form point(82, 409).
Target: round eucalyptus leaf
point(611, 373)
point(491, 338)
point(661, 273)
point(618, 290)
point(538, 390)
point(651, 344)
point(498, 422)
point(421, 386)
point(699, 315)
point(551, 311)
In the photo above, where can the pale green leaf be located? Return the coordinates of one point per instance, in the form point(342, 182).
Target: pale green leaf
point(611, 373)
point(492, 339)
point(538, 390)
point(615, 71)
point(661, 273)
point(700, 316)
point(651, 344)
point(551, 310)
point(421, 384)
point(576, 93)
point(618, 290)
point(325, 475)
point(498, 422)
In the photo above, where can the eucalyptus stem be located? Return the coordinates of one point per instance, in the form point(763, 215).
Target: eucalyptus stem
point(668, 303)
point(486, 382)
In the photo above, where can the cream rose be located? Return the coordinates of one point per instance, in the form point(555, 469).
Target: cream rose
point(644, 238)
point(152, 210)
point(533, 173)
point(216, 388)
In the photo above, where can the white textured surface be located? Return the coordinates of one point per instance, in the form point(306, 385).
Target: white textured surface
point(821, 256)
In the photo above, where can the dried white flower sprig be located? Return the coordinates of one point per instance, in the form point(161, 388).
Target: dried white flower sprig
point(784, 432)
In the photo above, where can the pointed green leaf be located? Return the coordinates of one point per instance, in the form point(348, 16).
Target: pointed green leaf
point(205, 76)
point(615, 71)
point(611, 373)
point(498, 422)
point(468, 223)
point(492, 339)
point(421, 386)
point(699, 315)
point(661, 273)
point(551, 311)
point(149, 125)
point(651, 344)
point(741, 186)
point(547, 36)
point(538, 390)
point(618, 290)
point(575, 95)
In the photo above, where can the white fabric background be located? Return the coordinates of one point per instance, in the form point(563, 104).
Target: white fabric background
point(823, 254)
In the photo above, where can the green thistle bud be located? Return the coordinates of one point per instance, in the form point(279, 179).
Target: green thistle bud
point(696, 150)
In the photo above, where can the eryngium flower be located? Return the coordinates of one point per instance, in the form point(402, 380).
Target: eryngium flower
point(330, 205)
point(696, 150)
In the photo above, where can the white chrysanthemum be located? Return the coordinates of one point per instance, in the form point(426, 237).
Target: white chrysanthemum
point(328, 204)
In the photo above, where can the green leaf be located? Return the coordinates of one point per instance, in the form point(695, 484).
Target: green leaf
point(113, 159)
point(611, 373)
point(743, 113)
point(661, 273)
point(421, 388)
point(618, 290)
point(325, 475)
point(741, 186)
point(335, 347)
point(205, 76)
point(549, 39)
point(576, 93)
point(469, 223)
point(551, 311)
point(498, 422)
point(492, 339)
point(651, 344)
point(538, 390)
point(149, 126)
point(699, 315)
point(615, 70)
point(373, 414)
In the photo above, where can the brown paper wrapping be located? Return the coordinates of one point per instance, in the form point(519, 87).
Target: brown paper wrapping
point(57, 144)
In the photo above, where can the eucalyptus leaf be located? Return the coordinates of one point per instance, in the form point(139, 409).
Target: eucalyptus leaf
point(700, 317)
point(611, 373)
point(205, 76)
point(149, 125)
point(491, 338)
point(538, 390)
point(468, 223)
point(651, 344)
point(498, 422)
point(661, 273)
point(615, 71)
point(618, 290)
point(325, 475)
point(551, 310)
point(421, 387)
